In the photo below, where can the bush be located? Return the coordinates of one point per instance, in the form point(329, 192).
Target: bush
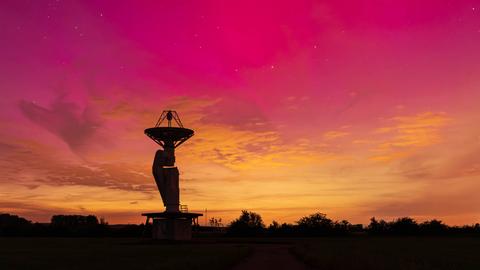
point(77, 225)
point(248, 224)
point(315, 224)
point(404, 226)
point(433, 227)
point(285, 229)
point(12, 225)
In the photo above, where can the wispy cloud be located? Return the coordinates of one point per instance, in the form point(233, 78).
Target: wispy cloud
point(407, 133)
point(334, 134)
point(75, 126)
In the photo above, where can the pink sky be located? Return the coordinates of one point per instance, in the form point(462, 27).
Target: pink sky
point(351, 108)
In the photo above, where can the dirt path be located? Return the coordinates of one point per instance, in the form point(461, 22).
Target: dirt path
point(270, 257)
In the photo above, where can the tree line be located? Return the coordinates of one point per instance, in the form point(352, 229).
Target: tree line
point(318, 224)
point(248, 224)
point(66, 226)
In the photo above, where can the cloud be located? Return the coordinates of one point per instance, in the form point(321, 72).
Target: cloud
point(42, 203)
point(237, 113)
point(31, 210)
point(452, 202)
point(330, 135)
point(65, 120)
point(6, 147)
point(228, 164)
point(354, 98)
point(31, 165)
point(437, 164)
point(455, 158)
point(408, 133)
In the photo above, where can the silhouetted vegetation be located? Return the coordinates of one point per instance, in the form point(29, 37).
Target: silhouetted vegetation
point(76, 225)
point(68, 226)
point(13, 225)
point(318, 224)
point(215, 222)
point(408, 226)
point(246, 225)
point(284, 229)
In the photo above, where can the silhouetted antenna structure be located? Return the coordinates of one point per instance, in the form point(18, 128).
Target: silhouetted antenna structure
point(169, 136)
point(169, 115)
point(175, 223)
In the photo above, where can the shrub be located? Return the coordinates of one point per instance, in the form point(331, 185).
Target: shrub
point(248, 224)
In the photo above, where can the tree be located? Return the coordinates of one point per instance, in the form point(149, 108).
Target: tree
point(12, 225)
point(404, 226)
point(378, 227)
point(274, 226)
point(342, 227)
point(433, 226)
point(285, 229)
point(248, 224)
point(77, 225)
point(214, 222)
point(315, 224)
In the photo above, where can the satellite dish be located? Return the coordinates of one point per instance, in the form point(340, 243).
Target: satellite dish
point(172, 133)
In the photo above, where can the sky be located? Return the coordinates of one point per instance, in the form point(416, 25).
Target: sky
point(355, 109)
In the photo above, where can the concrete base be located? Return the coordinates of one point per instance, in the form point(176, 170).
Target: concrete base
point(172, 229)
point(172, 225)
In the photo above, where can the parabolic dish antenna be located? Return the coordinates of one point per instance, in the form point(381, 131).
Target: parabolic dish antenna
point(169, 135)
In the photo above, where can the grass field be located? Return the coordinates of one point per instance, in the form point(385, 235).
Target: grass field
point(390, 253)
point(222, 253)
point(118, 253)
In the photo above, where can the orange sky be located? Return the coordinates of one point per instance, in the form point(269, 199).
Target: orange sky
point(354, 109)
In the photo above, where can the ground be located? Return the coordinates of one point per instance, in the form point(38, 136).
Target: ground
point(115, 253)
point(244, 253)
point(390, 253)
point(271, 256)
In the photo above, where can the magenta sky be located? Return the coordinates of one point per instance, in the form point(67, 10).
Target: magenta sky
point(352, 108)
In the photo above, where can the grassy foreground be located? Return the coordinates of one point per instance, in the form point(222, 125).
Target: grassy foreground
point(115, 253)
point(351, 253)
point(389, 253)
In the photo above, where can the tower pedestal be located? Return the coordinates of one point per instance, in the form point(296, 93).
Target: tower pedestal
point(172, 225)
